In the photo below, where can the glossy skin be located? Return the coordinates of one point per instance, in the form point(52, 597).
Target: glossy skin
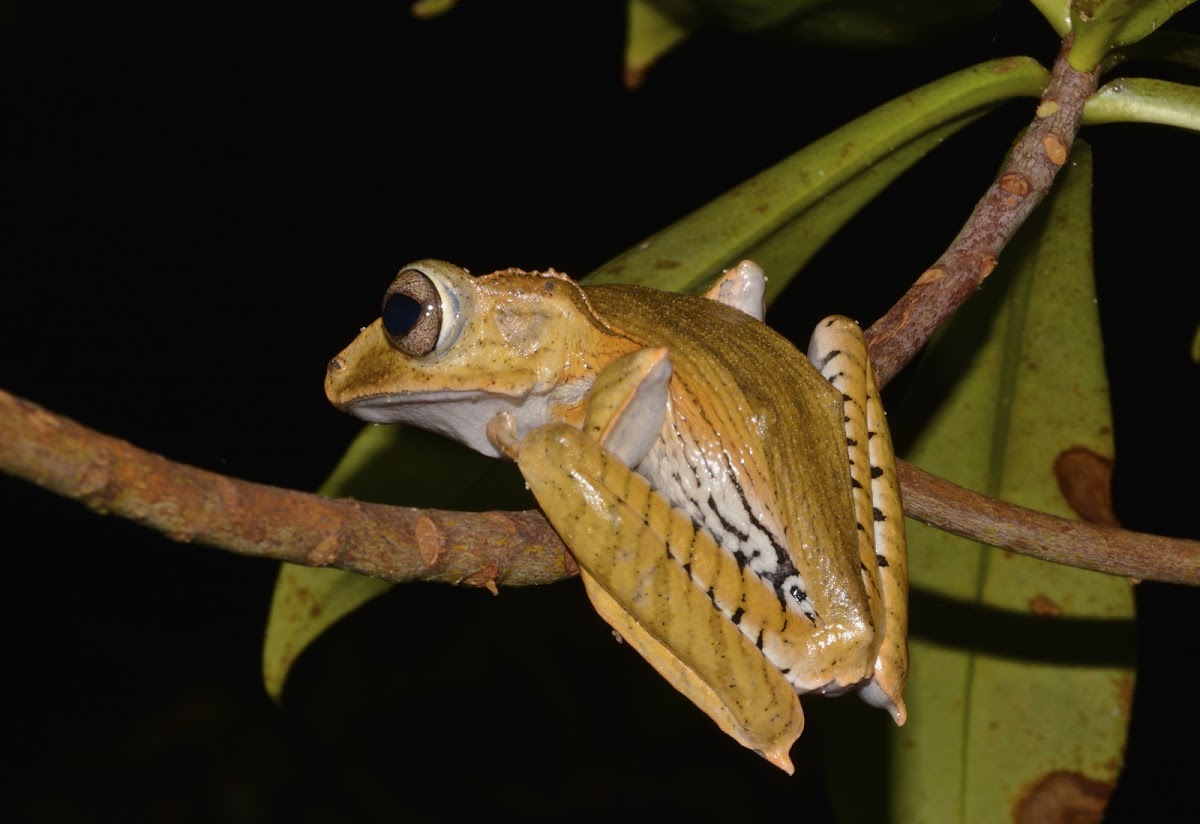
point(692, 459)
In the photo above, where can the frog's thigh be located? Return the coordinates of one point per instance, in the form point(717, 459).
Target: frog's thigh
point(632, 545)
point(838, 349)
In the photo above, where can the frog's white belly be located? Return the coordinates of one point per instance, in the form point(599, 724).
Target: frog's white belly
point(703, 483)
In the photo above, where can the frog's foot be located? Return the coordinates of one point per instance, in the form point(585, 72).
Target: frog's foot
point(741, 287)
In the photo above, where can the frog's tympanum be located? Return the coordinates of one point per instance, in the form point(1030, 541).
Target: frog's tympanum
point(732, 504)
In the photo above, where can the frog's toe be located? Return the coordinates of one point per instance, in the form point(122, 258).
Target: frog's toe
point(877, 695)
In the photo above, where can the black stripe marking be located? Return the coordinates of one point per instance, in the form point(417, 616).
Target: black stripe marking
point(827, 357)
point(726, 525)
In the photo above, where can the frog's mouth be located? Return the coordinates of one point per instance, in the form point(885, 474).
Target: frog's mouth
point(460, 415)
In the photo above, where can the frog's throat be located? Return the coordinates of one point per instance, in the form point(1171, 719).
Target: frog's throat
point(463, 415)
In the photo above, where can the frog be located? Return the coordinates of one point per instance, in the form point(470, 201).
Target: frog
point(732, 502)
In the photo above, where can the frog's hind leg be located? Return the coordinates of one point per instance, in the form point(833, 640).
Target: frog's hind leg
point(637, 554)
point(838, 350)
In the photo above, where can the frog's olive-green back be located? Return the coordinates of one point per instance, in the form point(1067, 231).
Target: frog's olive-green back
point(753, 388)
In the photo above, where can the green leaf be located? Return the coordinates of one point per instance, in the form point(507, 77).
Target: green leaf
point(1145, 100)
point(1021, 669)
point(786, 251)
point(826, 23)
point(1057, 13)
point(425, 9)
point(1176, 47)
point(385, 464)
point(650, 33)
point(691, 252)
point(1103, 25)
point(306, 602)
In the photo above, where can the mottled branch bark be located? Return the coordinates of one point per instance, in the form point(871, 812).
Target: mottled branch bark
point(1035, 161)
point(958, 510)
point(196, 506)
point(472, 548)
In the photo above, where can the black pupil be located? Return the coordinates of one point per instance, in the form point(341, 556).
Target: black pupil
point(400, 314)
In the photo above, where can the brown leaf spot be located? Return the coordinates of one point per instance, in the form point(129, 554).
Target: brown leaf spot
point(429, 540)
point(302, 598)
point(931, 275)
point(324, 553)
point(663, 263)
point(1124, 685)
point(1085, 480)
point(986, 265)
point(1055, 149)
point(1063, 796)
point(1045, 607)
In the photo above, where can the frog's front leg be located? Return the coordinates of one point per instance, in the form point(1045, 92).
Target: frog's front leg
point(641, 558)
point(838, 350)
point(626, 407)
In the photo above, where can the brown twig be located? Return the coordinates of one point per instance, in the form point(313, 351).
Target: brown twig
point(947, 506)
point(1036, 159)
point(473, 548)
point(193, 505)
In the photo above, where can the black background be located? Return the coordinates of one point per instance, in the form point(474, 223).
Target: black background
point(205, 201)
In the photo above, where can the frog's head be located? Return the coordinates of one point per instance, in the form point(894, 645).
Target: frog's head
point(451, 351)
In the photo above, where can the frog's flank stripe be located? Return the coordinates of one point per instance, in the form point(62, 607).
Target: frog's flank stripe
point(746, 543)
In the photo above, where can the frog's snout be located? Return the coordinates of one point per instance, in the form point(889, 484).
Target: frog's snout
point(336, 375)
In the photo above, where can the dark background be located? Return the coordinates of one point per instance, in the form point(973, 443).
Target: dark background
point(204, 203)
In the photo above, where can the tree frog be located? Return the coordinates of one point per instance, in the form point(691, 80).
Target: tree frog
point(732, 504)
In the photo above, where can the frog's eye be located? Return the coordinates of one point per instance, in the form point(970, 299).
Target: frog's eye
point(420, 314)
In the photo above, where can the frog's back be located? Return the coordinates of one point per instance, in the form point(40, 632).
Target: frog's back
point(763, 411)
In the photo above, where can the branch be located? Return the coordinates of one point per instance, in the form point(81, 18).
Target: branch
point(403, 544)
point(195, 506)
point(958, 510)
point(1024, 181)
